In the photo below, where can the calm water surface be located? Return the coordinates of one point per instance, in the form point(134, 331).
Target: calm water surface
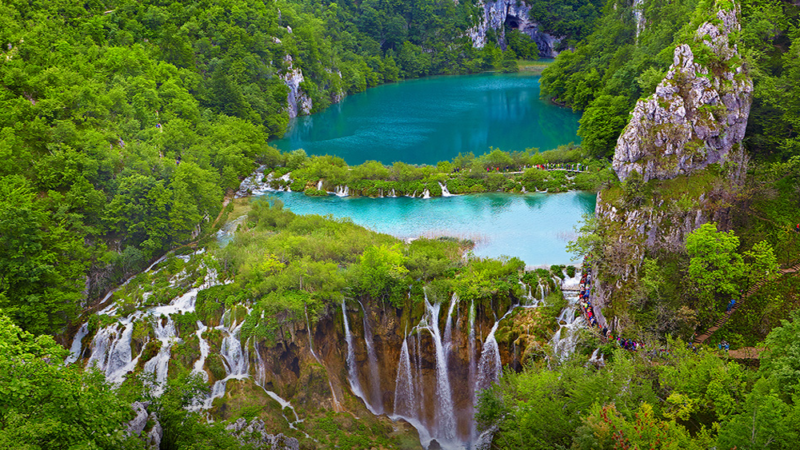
point(533, 227)
point(429, 120)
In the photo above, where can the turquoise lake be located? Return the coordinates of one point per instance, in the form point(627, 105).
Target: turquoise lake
point(533, 227)
point(428, 120)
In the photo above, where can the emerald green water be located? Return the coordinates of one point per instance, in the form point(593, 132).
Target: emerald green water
point(433, 119)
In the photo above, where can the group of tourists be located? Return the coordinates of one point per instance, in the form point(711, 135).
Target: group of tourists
point(498, 169)
point(577, 167)
point(591, 319)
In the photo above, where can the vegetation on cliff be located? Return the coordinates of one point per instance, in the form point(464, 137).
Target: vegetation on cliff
point(123, 124)
point(668, 398)
point(624, 59)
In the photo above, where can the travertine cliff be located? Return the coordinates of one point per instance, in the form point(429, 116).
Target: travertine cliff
point(677, 139)
point(299, 103)
point(698, 113)
point(515, 13)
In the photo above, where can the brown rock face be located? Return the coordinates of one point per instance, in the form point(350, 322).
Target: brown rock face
point(307, 380)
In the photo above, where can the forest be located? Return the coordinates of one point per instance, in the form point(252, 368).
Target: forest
point(127, 126)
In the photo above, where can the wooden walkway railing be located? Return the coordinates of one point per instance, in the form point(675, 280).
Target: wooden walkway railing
point(753, 289)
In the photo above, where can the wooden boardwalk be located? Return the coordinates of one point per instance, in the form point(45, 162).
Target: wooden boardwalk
point(703, 337)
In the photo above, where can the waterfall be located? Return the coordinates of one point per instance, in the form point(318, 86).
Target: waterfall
point(342, 191)
point(490, 367)
point(374, 373)
point(77, 346)
point(204, 348)
point(565, 340)
point(445, 192)
point(448, 328)
point(352, 370)
point(234, 357)
point(426, 194)
point(159, 364)
point(393, 194)
point(419, 382)
point(310, 337)
point(404, 385)
point(319, 185)
point(446, 426)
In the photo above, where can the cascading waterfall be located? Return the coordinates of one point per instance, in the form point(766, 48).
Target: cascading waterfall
point(77, 346)
point(426, 194)
point(234, 357)
point(489, 367)
point(448, 328)
point(310, 337)
point(404, 385)
point(159, 364)
point(319, 185)
point(112, 353)
point(352, 370)
point(342, 191)
point(565, 339)
point(446, 426)
point(393, 194)
point(374, 373)
point(204, 349)
point(445, 192)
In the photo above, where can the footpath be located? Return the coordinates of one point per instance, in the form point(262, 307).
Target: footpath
point(750, 292)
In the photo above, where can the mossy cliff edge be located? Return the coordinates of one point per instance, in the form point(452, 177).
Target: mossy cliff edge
point(699, 112)
point(680, 157)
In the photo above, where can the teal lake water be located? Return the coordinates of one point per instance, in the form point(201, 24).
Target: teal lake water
point(532, 227)
point(433, 119)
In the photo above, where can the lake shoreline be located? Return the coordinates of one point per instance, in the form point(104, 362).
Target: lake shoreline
point(425, 120)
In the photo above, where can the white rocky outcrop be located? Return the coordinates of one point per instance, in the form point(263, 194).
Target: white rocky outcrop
point(516, 13)
point(299, 103)
point(255, 434)
point(698, 113)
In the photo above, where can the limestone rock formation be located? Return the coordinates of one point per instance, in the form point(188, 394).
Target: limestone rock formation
point(299, 103)
point(136, 426)
point(515, 13)
point(698, 113)
point(255, 434)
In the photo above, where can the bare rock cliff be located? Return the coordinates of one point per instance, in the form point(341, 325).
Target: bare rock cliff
point(698, 113)
point(516, 14)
